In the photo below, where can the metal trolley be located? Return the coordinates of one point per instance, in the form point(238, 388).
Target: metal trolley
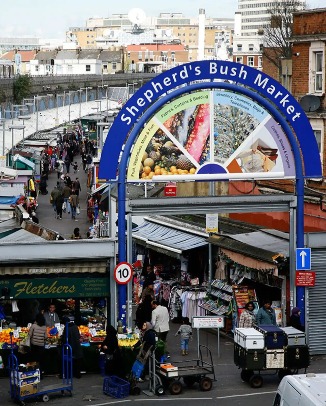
point(191, 372)
point(41, 391)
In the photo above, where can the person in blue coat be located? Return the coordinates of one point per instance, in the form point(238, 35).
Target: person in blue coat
point(266, 315)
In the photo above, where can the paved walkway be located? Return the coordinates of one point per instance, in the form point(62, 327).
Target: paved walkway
point(46, 214)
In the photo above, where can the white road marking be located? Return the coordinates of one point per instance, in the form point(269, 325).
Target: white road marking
point(245, 394)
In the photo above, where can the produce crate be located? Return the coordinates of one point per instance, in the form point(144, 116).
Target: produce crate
point(116, 387)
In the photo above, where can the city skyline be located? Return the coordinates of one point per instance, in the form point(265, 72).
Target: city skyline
point(33, 19)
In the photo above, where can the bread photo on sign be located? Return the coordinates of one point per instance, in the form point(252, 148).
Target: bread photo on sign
point(257, 159)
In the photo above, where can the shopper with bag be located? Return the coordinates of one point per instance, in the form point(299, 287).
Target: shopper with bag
point(110, 347)
point(74, 201)
point(38, 335)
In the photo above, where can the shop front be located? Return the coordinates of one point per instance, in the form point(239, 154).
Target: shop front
point(246, 272)
point(79, 286)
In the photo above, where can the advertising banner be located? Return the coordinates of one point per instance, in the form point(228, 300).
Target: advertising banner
point(229, 131)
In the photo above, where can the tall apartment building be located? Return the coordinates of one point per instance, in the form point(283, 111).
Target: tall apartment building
point(251, 18)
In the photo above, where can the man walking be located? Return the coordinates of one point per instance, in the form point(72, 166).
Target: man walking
point(160, 320)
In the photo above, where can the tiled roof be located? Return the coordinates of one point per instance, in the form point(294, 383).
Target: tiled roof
point(89, 54)
point(110, 56)
point(67, 54)
point(25, 55)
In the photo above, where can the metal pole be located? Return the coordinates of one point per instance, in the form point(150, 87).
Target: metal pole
point(129, 259)
point(198, 342)
point(36, 106)
point(12, 147)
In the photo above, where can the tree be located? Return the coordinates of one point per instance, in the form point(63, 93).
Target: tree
point(22, 87)
point(279, 31)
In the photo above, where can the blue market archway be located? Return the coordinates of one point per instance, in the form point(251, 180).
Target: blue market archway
point(254, 84)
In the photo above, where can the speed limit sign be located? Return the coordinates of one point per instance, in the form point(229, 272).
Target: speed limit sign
point(123, 273)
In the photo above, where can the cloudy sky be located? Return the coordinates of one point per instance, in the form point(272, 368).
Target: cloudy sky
point(51, 19)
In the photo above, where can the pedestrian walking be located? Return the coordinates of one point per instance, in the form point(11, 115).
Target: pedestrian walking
point(266, 314)
point(247, 317)
point(66, 193)
point(75, 167)
point(73, 201)
point(185, 332)
point(58, 206)
point(76, 186)
point(160, 320)
point(67, 163)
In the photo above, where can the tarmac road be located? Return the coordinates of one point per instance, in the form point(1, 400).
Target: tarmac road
point(228, 389)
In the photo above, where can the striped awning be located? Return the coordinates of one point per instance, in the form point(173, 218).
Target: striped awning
point(160, 238)
point(41, 269)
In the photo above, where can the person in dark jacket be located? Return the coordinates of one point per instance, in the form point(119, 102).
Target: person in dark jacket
point(150, 276)
point(144, 310)
point(110, 347)
point(295, 319)
point(74, 342)
point(58, 206)
point(266, 315)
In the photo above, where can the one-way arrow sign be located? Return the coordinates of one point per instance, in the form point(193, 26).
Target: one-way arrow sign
point(303, 259)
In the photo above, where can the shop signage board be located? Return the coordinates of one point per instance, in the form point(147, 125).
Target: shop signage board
point(170, 189)
point(303, 259)
point(305, 278)
point(211, 223)
point(39, 288)
point(123, 273)
point(208, 322)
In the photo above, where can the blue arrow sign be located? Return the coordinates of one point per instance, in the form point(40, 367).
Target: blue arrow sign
point(303, 259)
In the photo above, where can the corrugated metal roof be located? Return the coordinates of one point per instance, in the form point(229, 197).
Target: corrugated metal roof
point(68, 250)
point(264, 241)
point(167, 237)
point(21, 235)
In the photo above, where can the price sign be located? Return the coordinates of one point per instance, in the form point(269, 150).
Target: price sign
point(123, 273)
point(208, 322)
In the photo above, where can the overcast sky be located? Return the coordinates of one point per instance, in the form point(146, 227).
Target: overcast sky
point(51, 19)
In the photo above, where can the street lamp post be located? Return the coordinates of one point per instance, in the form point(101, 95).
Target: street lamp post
point(3, 123)
point(23, 118)
point(12, 128)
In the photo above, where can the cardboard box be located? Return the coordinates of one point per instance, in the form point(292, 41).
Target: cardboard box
point(28, 389)
point(27, 374)
point(169, 370)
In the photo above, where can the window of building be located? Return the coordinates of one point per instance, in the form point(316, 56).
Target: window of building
point(151, 55)
point(239, 59)
point(316, 67)
point(260, 61)
point(251, 47)
point(114, 65)
point(318, 71)
point(88, 68)
point(140, 55)
point(239, 47)
point(250, 61)
point(318, 139)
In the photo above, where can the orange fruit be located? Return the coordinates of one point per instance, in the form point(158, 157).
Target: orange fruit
point(147, 169)
point(157, 171)
point(192, 170)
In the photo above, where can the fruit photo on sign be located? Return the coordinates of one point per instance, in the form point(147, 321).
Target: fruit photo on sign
point(163, 157)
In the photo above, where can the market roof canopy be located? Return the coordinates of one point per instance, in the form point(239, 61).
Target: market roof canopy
point(167, 238)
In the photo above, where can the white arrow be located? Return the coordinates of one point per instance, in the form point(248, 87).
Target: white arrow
point(303, 255)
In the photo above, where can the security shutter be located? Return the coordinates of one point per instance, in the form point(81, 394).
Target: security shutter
point(316, 304)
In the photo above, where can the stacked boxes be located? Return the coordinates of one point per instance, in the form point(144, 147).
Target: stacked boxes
point(270, 347)
point(169, 370)
point(297, 351)
point(249, 349)
point(26, 382)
